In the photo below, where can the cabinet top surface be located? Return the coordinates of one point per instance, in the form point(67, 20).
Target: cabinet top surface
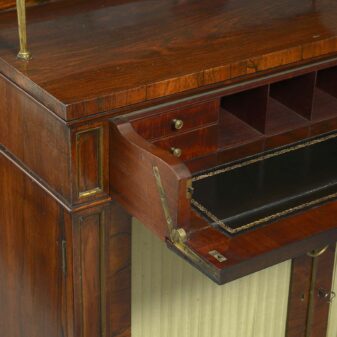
point(94, 56)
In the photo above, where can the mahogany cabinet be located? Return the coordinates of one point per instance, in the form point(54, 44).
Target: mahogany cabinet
point(214, 127)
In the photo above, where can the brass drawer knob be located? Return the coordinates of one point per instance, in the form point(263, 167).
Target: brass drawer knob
point(177, 124)
point(176, 151)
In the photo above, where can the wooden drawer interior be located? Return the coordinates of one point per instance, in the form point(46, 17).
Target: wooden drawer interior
point(281, 132)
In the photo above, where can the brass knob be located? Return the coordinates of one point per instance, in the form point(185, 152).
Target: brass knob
point(176, 151)
point(177, 124)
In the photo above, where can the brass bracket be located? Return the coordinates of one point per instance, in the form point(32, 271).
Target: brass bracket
point(178, 236)
point(318, 252)
point(24, 53)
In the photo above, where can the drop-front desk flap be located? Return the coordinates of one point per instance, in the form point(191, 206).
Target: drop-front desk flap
point(226, 206)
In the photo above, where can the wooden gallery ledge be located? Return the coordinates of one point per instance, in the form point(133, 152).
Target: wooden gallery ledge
point(212, 122)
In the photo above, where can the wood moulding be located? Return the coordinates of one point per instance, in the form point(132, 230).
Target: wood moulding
point(157, 66)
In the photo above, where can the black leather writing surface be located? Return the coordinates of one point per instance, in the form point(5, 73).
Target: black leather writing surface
point(264, 188)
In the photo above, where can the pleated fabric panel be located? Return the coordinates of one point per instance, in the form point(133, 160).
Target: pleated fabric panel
point(172, 299)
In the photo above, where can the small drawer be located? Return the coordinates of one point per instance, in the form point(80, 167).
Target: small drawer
point(192, 144)
point(177, 121)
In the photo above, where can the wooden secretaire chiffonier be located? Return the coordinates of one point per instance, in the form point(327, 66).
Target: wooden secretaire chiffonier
point(212, 122)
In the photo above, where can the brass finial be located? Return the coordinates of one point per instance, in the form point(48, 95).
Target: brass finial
point(24, 53)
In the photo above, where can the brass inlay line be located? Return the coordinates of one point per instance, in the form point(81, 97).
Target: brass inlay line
point(262, 220)
point(219, 222)
point(89, 193)
point(264, 157)
point(163, 199)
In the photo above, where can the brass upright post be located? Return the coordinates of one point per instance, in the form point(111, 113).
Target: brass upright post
point(24, 53)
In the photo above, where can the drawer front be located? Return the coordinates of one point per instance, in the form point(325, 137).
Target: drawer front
point(177, 121)
point(192, 144)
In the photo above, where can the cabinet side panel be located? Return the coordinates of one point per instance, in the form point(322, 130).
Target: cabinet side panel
point(90, 275)
point(35, 136)
point(118, 272)
point(31, 277)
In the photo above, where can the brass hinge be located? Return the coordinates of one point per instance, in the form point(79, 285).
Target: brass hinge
point(178, 236)
point(64, 257)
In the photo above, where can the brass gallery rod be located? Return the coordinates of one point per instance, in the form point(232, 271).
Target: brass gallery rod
point(24, 53)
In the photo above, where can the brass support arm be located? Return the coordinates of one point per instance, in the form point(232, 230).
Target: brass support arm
point(24, 53)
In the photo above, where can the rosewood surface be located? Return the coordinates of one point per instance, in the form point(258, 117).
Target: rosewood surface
point(90, 57)
point(32, 285)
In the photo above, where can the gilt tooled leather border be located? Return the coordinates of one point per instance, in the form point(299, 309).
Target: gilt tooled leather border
point(251, 161)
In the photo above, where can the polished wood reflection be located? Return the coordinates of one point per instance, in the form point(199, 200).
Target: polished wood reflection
point(95, 56)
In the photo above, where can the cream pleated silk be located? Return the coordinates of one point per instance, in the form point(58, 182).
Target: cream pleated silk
point(172, 299)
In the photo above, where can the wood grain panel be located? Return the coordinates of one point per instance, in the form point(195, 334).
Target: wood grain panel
point(102, 277)
point(32, 293)
point(101, 67)
point(90, 263)
point(36, 137)
point(118, 272)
